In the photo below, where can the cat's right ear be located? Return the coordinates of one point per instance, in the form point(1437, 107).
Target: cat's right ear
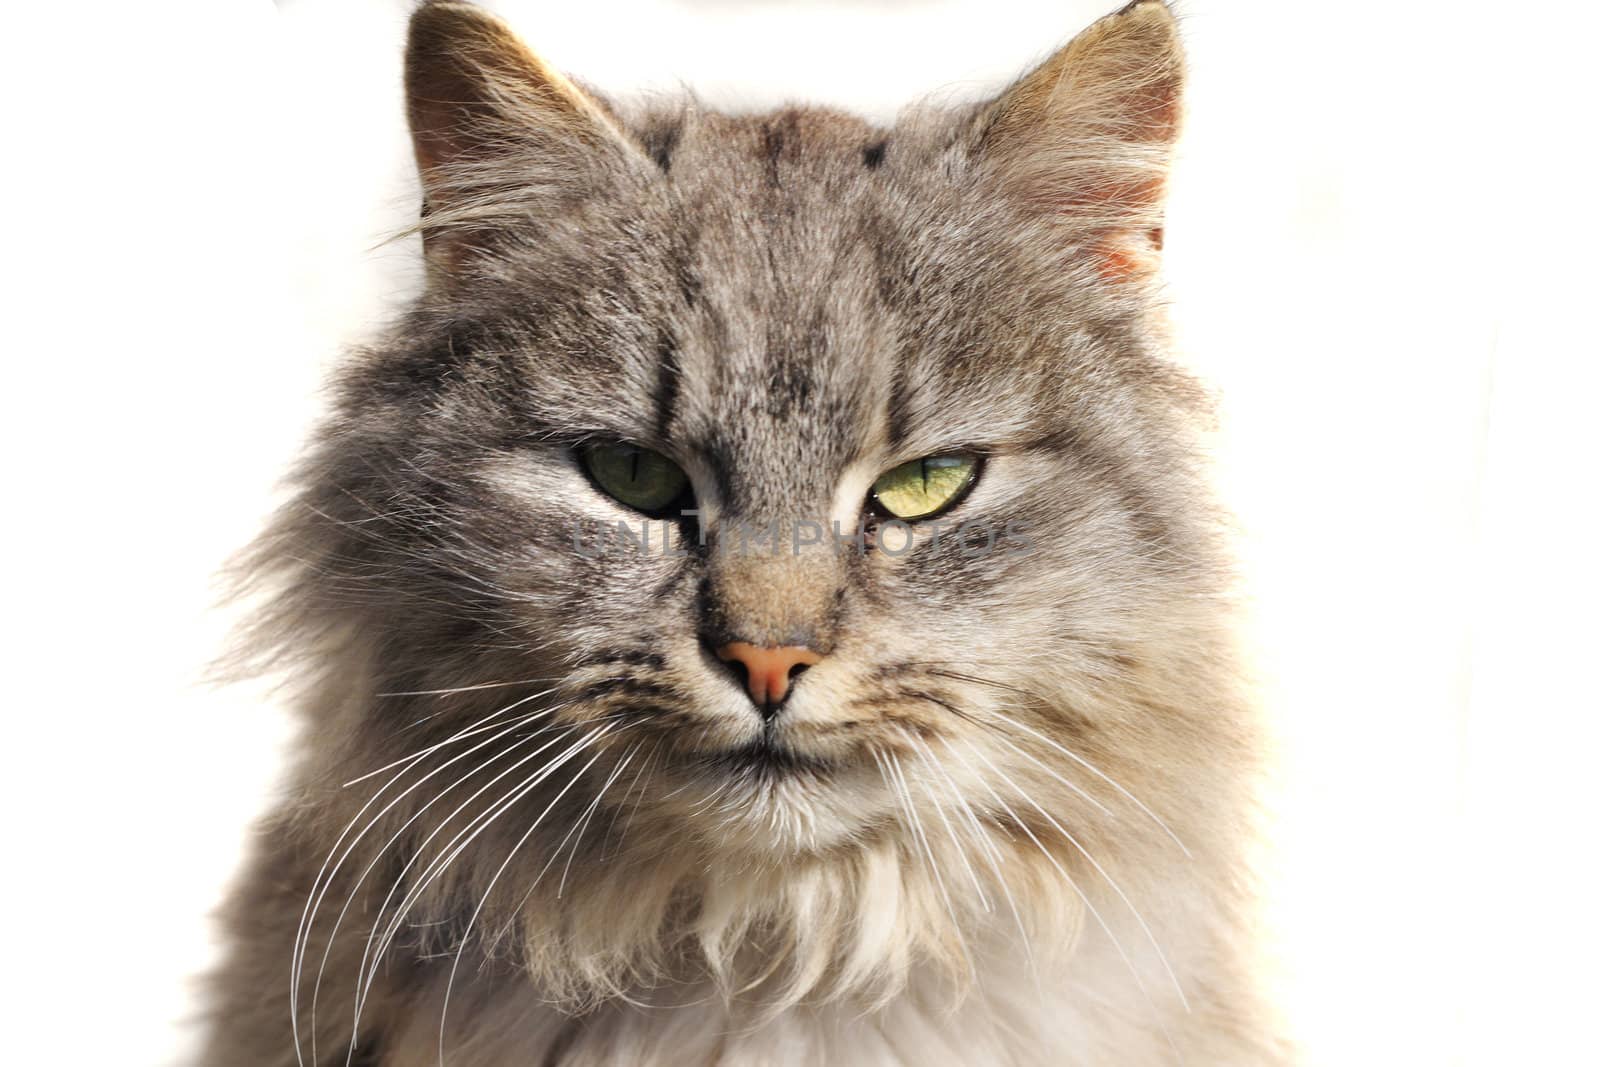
point(498, 134)
point(1085, 139)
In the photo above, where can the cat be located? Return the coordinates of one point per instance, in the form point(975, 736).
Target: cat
point(763, 604)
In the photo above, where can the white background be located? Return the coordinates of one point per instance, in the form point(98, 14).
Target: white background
point(1380, 249)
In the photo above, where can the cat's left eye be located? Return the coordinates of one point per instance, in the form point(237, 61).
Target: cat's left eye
point(924, 487)
point(644, 480)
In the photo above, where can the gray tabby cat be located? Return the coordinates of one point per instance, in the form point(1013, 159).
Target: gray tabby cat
point(762, 605)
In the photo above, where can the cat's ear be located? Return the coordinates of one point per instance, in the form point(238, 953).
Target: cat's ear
point(496, 130)
point(1086, 137)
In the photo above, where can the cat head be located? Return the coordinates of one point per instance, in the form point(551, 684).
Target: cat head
point(811, 503)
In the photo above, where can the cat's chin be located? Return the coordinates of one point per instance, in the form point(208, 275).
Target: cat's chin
point(763, 799)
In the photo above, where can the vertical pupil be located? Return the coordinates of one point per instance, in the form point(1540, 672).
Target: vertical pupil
point(635, 458)
point(923, 464)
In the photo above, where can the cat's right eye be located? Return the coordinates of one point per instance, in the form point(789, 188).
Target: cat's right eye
point(642, 479)
point(924, 487)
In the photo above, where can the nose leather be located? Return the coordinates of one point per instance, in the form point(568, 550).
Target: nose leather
point(768, 670)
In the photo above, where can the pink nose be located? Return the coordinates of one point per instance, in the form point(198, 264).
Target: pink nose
point(768, 671)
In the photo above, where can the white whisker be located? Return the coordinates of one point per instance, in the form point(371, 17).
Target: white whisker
point(462, 688)
point(453, 848)
point(927, 848)
point(1160, 955)
point(1082, 896)
point(319, 887)
point(925, 757)
point(384, 848)
point(993, 858)
point(466, 935)
point(460, 735)
point(589, 814)
point(1097, 772)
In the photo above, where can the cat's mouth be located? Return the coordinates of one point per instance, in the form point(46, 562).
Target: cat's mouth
point(766, 756)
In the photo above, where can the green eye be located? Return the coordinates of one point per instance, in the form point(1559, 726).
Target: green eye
point(644, 480)
point(924, 487)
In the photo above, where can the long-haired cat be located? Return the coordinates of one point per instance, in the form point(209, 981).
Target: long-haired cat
point(762, 605)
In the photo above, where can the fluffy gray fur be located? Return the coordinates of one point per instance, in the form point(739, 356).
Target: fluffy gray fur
point(1016, 822)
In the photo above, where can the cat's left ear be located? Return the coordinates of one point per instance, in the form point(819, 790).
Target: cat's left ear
point(1086, 138)
point(499, 134)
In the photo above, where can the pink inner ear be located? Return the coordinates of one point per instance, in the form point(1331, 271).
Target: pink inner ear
point(1119, 263)
point(1123, 254)
point(1123, 257)
point(1123, 197)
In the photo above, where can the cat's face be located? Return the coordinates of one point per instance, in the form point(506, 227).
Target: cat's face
point(785, 323)
point(631, 315)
